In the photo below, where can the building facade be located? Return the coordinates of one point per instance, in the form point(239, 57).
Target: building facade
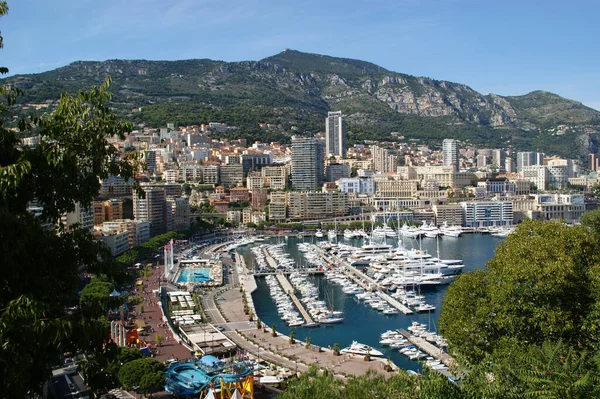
point(335, 135)
point(308, 164)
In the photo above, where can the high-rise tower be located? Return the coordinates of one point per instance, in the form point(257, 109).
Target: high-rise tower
point(335, 135)
point(450, 153)
point(308, 166)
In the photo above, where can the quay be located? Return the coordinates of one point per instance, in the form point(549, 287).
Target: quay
point(359, 277)
point(429, 348)
point(288, 289)
point(270, 261)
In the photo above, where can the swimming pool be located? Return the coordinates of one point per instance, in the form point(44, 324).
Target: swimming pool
point(195, 275)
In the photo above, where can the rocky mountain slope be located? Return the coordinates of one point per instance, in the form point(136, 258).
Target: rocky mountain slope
point(292, 91)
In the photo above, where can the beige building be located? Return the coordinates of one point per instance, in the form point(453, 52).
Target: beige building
point(452, 215)
point(316, 205)
point(277, 206)
point(231, 175)
point(392, 187)
point(446, 176)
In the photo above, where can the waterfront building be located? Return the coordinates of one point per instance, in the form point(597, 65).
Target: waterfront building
point(307, 163)
point(450, 154)
point(451, 214)
point(316, 205)
point(335, 135)
point(487, 213)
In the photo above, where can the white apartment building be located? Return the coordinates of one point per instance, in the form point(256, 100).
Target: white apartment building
point(356, 185)
point(487, 213)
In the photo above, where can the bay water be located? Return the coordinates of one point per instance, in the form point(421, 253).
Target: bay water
point(362, 323)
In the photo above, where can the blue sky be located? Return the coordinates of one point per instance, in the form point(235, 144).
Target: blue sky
point(499, 46)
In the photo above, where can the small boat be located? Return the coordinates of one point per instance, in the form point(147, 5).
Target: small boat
point(319, 234)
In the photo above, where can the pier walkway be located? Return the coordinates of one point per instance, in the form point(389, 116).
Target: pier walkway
point(288, 289)
point(270, 261)
point(359, 277)
point(429, 348)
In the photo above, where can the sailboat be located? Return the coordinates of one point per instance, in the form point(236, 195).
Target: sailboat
point(333, 317)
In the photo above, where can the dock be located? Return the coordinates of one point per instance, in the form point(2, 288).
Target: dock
point(359, 277)
point(287, 286)
point(429, 348)
point(270, 261)
point(288, 289)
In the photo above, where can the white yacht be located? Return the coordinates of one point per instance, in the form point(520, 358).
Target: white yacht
point(331, 235)
point(361, 349)
point(319, 233)
point(451, 231)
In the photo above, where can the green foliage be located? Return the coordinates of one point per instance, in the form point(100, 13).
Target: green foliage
point(541, 285)
point(144, 375)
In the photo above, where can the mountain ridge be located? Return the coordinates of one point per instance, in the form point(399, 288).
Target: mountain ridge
point(296, 89)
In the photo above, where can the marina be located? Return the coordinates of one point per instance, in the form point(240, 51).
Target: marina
point(368, 312)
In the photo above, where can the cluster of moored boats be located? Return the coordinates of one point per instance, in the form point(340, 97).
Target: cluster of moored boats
point(285, 307)
point(395, 340)
point(372, 299)
point(316, 307)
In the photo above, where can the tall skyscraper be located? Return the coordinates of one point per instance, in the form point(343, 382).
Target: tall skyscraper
point(335, 135)
point(450, 153)
point(308, 163)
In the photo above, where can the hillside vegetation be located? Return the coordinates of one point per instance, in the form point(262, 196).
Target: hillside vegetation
point(292, 91)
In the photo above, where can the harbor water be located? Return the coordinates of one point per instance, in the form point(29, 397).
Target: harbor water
point(362, 323)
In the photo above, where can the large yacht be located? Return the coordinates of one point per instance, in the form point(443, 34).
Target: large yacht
point(361, 349)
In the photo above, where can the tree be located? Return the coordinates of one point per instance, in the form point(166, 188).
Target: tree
point(144, 375)
point(37, 318)
point(542, 285)
point(159, 339)
point(292, 336)
point(308, 342)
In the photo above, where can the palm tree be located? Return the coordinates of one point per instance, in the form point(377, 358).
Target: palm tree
point(336, 349)
point(258, 324)
point(292, 336)
point(308, 342)
point(274, 332)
